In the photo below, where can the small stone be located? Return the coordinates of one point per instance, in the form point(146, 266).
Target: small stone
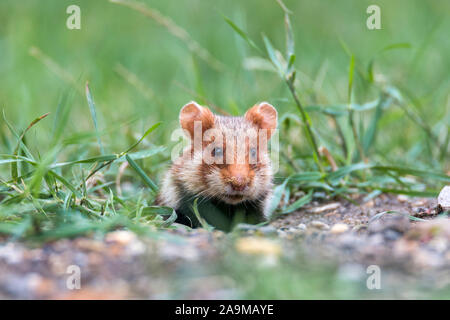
point(444, 198)
point(292, 230)
point(369, 204)
point(319, 225)
point(328, 207)
point(282, 234)
point(136, 248)
point(267, 231)
point(11, 253)
point(245, 228)
point(419, 203)
point(389, 221)
point(419, 210)
point(301, 227)
point(172, 252)
point(402, 198)
point(258, 246)
point(391, 235)
point(339, 228)
point(122, 237)
point(376, 239)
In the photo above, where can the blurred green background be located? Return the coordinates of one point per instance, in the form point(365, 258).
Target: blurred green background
point(116, 42)
point(144, 63)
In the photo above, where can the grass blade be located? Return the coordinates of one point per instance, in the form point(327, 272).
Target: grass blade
point(142, 174)
point(299, 203)
point(14, 170)
point(200, 219)
point(156, 125)
point(278, 192)
point(91, 104)
point(242, 33)
point(273, 57)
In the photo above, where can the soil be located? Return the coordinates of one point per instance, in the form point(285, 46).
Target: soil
point(409, 243)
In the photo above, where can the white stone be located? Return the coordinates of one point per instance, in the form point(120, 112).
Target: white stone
point(444, 198)
point(339, 228)
point(319, 225)
point(328, 207)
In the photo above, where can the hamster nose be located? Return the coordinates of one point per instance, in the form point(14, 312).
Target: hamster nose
point(238, 182)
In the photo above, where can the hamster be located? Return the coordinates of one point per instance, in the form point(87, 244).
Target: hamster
point(227, 167)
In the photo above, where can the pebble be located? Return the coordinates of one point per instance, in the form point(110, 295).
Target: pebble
point(11, 254)
point(301, 227)
point(252, 245)
point(172, 252)
point(339, 228)
point(444, 198)
point(328, 207)
point(245, 228)
point(419, 203)
point(268, 231)
point(122, 237)
point(391, 234)
point(389, 221)
point(319, 225)
point(419, 210)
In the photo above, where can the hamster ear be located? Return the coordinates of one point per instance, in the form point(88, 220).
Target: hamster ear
point(264, 116)
point(192, 112)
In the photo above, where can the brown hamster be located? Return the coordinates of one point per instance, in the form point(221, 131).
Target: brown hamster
point(226, 166)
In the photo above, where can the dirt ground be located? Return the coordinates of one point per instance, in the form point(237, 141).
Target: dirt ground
point(409, 243)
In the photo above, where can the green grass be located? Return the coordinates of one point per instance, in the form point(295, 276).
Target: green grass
point(377, 101)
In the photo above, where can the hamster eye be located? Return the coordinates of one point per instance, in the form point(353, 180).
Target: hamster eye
point(217, 152)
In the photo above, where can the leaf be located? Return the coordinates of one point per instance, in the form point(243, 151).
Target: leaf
point(242, 34)
point(62, 114)
point(66, 183)
point(276, 197)
point(400, 45)
point(289, 41)
point(370, 71)
point(344, 171)
point(103, 158)
point(258, 63)
point(156, 125)
point(14, 171)
point(306, 176)
point(142, 174)
point(290, 66)
point(317, 185)
point(350, 78)
point(272, 56)
point(379, 215)
point(10, 160)
point(427, 174)
point(16, 229)
point(299, 203)
point(200, 219)
point(403, 45)
point(369, 134)
point(144, 153)
point(413, 193)
point(283, 6)
point(91, 104)
point(162, 211)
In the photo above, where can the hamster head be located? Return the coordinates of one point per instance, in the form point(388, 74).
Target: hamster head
point(228, 157)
